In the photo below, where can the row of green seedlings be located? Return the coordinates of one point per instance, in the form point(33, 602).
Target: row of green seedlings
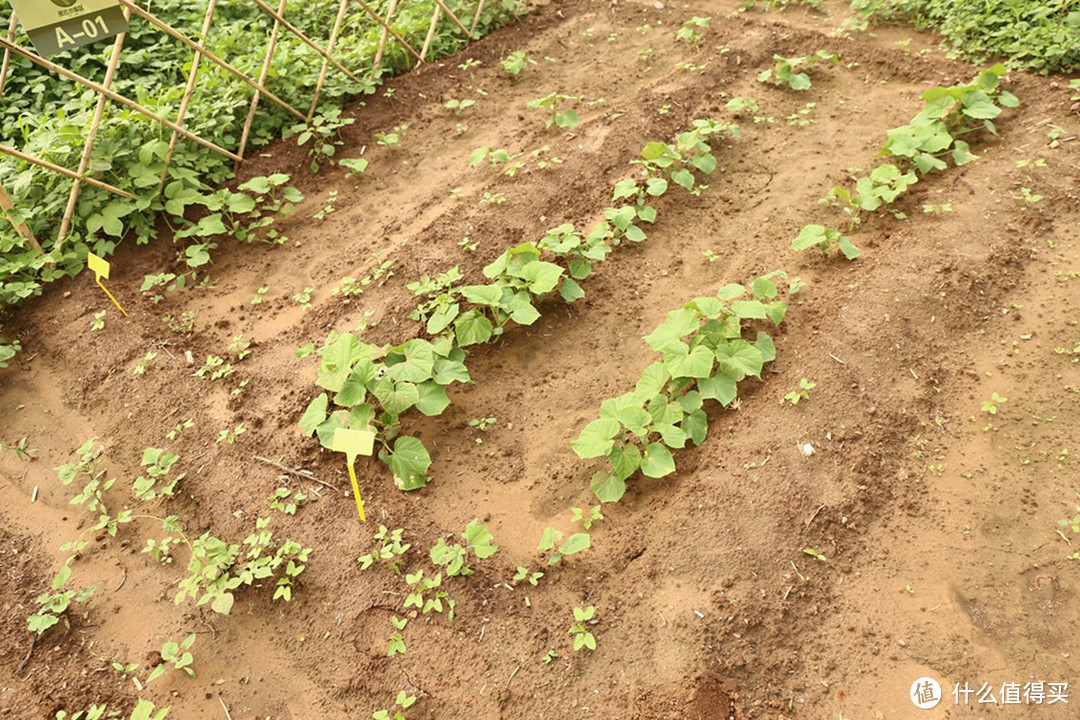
point(705, 356)
point(914, 150)
point(216, 569)
point(143, 710)
point(373, 386)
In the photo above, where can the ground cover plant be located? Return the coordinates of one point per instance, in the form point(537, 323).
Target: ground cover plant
point(801, 462)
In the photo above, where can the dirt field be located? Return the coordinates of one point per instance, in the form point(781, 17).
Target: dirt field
point(937, 520)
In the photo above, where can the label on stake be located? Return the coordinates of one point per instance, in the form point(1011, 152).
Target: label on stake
point(353, 443)
point(100, 268)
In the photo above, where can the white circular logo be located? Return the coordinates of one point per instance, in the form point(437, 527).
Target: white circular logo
point(925, 693)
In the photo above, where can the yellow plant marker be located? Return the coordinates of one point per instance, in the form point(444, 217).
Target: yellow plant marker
point(100, 268)
point(353, 443)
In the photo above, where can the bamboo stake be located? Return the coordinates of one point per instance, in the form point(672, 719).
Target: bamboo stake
point(7, 54)
point(188, 91)
point(49, 65)
point(263, 74)
point(476, 17)
point(430, 32)
point(326, 58)
point(279, 16)
point(372, 13)
point(209, 55)
point(63, 170)
point(377, 65)
point(453, 17)
point(20, 227)
point(91, 135)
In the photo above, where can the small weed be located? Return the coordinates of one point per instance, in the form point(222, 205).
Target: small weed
point(56, 603)
point(324, 130)
point(466, 245)
point(176, 654)
point(582, 637)
point(565, 120)
point(802, 117)
point(240, 346)
point(552, 540)
point(1029, 197)
point(183, 324)
point(786, 71)
point(803, 393)
point(214, 368)
point(524, 574)
point(286, 501)
point(470, 64)
point(178, 431)
point(353, 166)
point(403, 701)
point(515, 62)
point(595, 515)
point(303, 298)
point(814, 554)
point(230, 436)
point(389, 551)
point(710, 255)
point(690, 30)
point(931, 209)
point(991, 405)
point(396, 644)
point(459, 106)
point(98, 323)
point(328, 207)
point(141, 366)
point(259, 295)
point(493, 199)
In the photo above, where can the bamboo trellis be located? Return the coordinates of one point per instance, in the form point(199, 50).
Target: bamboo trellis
point(82, 175)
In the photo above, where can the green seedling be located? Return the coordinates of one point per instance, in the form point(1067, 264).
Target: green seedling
point(825, 238)
point(157, 465)
point(422, 586)
point(303, 298)
point(396, 644)
point(515, 62)
point(259, 295)
point(391, 140)
point(565, 120)
point(354, 167)
point(141, 366)
point(389, 551)
point(931, 209)
point(549, 657)
point(143, 710)
point(582, 637)
point(286, 501)
point(183, 324)
point(793, 71)
point(523, 574)
point(453, 557)
point(230, 436)
point(21, 450)
point(328, 207)
point(1029, 197)
point(1037, 162)
point(98, 323)
point(814, 554)
point(467, 245)
point(710, 255)
point(323, 131)
point(803, 393)
point(239, 389)
point(690, 30)
point(124, 669)
point(459, 106)
point(494, 156)
point(240, 346)
point(55, 603)
point(403, 701)
point(802, 117)
point(482, 424)
point(991, 405)
point(176, 654)
point(552, 540)
point(595, 515)
point(470, 64)
point(493, 199)
point(214, 368)
point(179, 428)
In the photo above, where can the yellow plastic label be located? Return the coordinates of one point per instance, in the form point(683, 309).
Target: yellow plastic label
point(353, 443)
point(98, 266)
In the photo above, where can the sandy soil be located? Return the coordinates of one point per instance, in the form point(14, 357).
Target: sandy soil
point(938, 521)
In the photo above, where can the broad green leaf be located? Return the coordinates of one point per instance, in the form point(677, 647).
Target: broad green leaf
point(595, 439)
point(570, 290)
point(740, 358)
point(731, 291)
point(472, 327)
point(808, 237)
point(763, 288)
point(979, 106)
point(652, 380)
point(848, 248)
point(621, 217)
point(776, 311)
point(673, 436)
point(656, 186)
point(449, 371)
point(765, 346)
point(433, 399)
point(653, 150)
point(634, 419)
point(338, 359)
point(417, 363)
point(401, 398)
point(689, 401)
point(696, 426)
point(635, 234)
point(624, 189)
point(315, 414)
point(549, 539)
point(683, 177)
point(483, 294)
point(480, 540)
point(706, 163)
point(442, 317)
point(625, 460)
point(696, 363)
point(1007, 99)
point(542, 276)
point(354, 390)
point(720, 387)
point(657, 461)
point(610, 407)
point(409, 462)
point(575, 544)
point(607, 487)
point(709, 307)
point(749, 309)
point(678, 323)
